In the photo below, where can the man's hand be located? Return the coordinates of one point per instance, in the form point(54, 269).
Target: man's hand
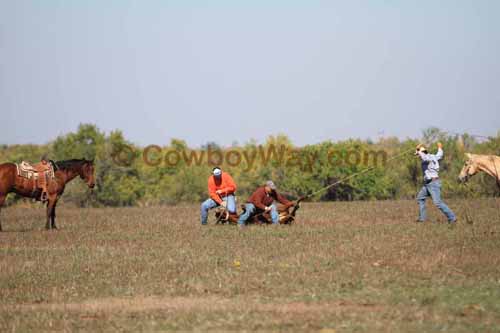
point(440, 145)
point(268, 208)
point(219, 192)
point(224, 204)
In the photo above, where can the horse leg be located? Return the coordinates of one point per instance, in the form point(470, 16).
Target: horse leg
point(2, 200)
point(53, 216)
point(50, 208)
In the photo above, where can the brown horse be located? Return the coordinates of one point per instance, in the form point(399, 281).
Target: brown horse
point(489, 164)
point(64, 172)
point(286, 216)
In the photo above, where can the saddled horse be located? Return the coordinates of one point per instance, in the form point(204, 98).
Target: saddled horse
point(489, 164)
point(64, 172)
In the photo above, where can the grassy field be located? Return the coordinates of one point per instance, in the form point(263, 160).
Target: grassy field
point(344, 267)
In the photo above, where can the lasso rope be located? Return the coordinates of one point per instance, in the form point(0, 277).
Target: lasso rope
point(389, 160)
point(345, 179)
point(355, 175)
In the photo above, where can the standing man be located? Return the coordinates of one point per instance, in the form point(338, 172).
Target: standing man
point(262, 200)
point(432, 183)
point(221, 188)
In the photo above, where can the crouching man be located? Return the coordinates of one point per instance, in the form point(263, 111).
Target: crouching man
point(262, 200)
point(221, 188)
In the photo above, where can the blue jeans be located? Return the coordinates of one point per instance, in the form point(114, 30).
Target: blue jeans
point(433, 189)
point(250, 209)
point(211, 203)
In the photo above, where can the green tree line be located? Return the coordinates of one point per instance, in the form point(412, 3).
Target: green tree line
point(128, 174)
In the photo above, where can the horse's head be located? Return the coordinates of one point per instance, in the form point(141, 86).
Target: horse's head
point(470, 168)
point(87, 173)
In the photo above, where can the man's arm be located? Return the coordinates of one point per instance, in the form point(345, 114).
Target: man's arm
point(281, 199)
point(430, 157)
point(213, 192)
point(424, 157)
point(258, 196)
point(230, 184)
point(440, 153)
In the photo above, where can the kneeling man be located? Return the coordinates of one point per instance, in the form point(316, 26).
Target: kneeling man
point(262, 200)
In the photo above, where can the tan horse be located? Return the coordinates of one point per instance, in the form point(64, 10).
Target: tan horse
point(489, 164)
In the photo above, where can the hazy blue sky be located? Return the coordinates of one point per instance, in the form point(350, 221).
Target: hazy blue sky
point(229, 71)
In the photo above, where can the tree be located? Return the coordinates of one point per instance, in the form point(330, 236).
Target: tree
point(85, 143)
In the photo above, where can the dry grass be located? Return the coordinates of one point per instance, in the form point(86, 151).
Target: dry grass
point(362, 266)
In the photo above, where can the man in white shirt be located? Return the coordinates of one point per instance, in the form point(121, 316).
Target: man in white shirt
point(432, 183)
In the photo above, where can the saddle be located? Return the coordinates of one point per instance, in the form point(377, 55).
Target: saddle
point(28, 171)
point(37, 177)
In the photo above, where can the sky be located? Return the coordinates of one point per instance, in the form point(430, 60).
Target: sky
point(232, 71)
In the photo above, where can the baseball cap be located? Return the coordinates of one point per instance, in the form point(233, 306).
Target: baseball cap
point(271, 185)
point(217, 172)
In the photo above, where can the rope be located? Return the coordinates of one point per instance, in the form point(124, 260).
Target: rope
point(355, 174)
point(389, 160)
point(469, 192)
point(370, 169)
point(471, 135)
point(344, 179)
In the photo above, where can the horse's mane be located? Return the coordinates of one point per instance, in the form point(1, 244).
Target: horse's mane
point(69, 164)
point(479, 156)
